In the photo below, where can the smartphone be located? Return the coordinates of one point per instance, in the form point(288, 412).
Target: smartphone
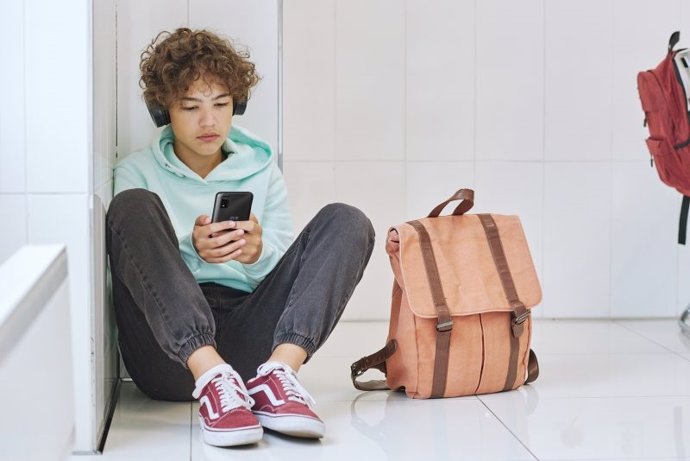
point(232, 206)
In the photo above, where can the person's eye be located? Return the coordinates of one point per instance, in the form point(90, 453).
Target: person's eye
point(189, 108)
point(222, 104)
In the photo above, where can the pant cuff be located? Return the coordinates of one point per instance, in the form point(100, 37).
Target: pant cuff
point(194, 343)
point(298, 340)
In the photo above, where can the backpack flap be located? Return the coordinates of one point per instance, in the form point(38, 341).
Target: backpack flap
point(468, 276)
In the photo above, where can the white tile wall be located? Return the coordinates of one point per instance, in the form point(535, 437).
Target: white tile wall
point(104, 95)
point(577, 239)
point(13, 217)
point(643, 243)
point(58, 85)
point(376, 188)
point(311, 186)
point(309, 80)
point(369, 87)
point(578, 80)
point(492, 93)
point(439, 104)
point(12, 111)
point(684, 22)
point(510, 80)
point(12, 159)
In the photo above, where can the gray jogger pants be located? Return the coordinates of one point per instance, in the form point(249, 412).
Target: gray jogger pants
point(163, 314)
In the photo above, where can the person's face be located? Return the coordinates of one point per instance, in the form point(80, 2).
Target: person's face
point(201, 121)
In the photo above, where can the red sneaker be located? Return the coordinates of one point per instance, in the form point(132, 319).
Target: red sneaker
point(225, 413)
point(282, 404)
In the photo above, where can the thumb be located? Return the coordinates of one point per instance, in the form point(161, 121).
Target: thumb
point(202, 220)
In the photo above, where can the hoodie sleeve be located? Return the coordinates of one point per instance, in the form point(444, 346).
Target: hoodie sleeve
point(189, 254)
point(127, 177)
point(276, 227)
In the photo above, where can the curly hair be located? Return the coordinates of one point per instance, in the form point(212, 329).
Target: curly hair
point(174, 61)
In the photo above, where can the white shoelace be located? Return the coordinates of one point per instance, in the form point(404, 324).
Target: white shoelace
point(233, 394)
point(293, 388)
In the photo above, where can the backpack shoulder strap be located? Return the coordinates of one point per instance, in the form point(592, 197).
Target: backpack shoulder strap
point(683, 221)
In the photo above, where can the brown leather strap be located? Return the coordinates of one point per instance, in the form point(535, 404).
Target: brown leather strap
point(376, 360)
point(520, 312)
point(512, 363)
point(444, 323)
point(467, 197)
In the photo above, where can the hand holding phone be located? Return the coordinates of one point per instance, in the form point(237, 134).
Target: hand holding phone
point(233, 233)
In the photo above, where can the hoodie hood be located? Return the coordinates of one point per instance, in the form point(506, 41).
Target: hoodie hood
point(246, 156)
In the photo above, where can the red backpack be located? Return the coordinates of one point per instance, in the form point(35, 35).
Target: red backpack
point(664, 93)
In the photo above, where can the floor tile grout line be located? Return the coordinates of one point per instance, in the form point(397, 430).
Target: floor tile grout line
point(508, 429)
point(641, 335)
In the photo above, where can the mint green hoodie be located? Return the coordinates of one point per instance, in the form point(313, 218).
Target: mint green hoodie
point(250, 166)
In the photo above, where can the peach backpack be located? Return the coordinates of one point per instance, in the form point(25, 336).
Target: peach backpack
point(460, 313)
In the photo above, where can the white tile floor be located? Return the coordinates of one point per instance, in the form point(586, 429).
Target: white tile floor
point(608, 390)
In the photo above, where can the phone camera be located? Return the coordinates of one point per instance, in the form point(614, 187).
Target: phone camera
point(224, 203)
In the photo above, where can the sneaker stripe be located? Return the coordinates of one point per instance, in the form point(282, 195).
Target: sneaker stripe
point(269, 393)
point(204, 400)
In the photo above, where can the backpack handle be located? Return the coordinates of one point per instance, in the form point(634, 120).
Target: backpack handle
point(467, 201)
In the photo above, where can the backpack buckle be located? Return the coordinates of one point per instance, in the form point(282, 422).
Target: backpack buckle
point(445, 326)
point(517, 320)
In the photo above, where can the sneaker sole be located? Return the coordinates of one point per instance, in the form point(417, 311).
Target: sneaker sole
point(295, 426)
point(232, 438)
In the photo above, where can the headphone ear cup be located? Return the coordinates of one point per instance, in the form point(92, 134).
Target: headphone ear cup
point(159, 114)
point(238, 107)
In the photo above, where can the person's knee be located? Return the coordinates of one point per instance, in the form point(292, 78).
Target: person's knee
point(354, 225)
point(132, 202)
